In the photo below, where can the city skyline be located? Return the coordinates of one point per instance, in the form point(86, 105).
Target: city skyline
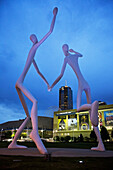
point(86, 26)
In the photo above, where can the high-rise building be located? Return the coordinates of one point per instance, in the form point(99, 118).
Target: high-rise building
point(65, 98)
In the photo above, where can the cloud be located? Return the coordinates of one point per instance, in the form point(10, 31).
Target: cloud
point(10, 113)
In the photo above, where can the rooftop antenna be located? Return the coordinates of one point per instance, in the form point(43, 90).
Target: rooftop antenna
point(65, 83)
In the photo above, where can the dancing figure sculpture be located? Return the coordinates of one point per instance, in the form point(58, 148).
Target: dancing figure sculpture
point(21, 89)
point(72, 60)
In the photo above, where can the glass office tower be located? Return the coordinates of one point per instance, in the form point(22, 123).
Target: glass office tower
point(65, 98)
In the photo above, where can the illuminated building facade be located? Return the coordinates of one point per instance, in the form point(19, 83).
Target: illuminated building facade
point(73, 123)
point(65, 98)
point(45, 128)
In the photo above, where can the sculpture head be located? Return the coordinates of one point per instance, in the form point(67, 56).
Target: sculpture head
point(65, 49)
point(55, 10)
point(33, 38)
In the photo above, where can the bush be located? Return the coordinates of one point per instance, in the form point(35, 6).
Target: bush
point(74, 139)
point(62, 139)
point(86, 139)
point(8, 134)
point(67, 138)
point(80, 138)
point(56, 138)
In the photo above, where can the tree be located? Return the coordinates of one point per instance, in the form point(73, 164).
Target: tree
point(8, 134)
point(104, 133)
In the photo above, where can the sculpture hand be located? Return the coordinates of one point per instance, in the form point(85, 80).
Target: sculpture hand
point(55, 10)
point(49, 88)
point(71, 50)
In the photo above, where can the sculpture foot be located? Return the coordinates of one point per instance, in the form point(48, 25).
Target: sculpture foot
point(94, 113)
point(14, 146)
point(36, 138)
point(98, 148)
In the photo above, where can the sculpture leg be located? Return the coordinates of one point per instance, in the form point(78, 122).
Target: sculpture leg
point(94, 113)
point(13, 144)
point(100, 146)
point(88, 95)
point(34, 134)
point(94, 121)
point(79, 95)
point(85, 106)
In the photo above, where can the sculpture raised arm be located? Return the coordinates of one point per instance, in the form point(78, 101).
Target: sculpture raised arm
point(55, 10)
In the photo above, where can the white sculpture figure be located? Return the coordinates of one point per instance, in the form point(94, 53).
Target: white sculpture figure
point(72, 60)
point(21, 89)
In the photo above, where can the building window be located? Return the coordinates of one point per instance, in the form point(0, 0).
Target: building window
point(72, 122)
point(108, 116)
point(61, 122)
point(83, 122)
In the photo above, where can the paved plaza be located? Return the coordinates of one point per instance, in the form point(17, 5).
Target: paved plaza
point(56, 152)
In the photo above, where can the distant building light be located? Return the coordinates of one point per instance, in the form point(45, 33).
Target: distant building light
point(102, 103)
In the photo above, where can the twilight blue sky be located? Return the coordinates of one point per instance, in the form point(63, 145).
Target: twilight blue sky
point(86, 25)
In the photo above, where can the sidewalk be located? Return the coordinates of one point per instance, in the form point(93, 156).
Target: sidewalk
point(56, 152)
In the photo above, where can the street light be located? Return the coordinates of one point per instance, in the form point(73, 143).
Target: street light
point(42, 132)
